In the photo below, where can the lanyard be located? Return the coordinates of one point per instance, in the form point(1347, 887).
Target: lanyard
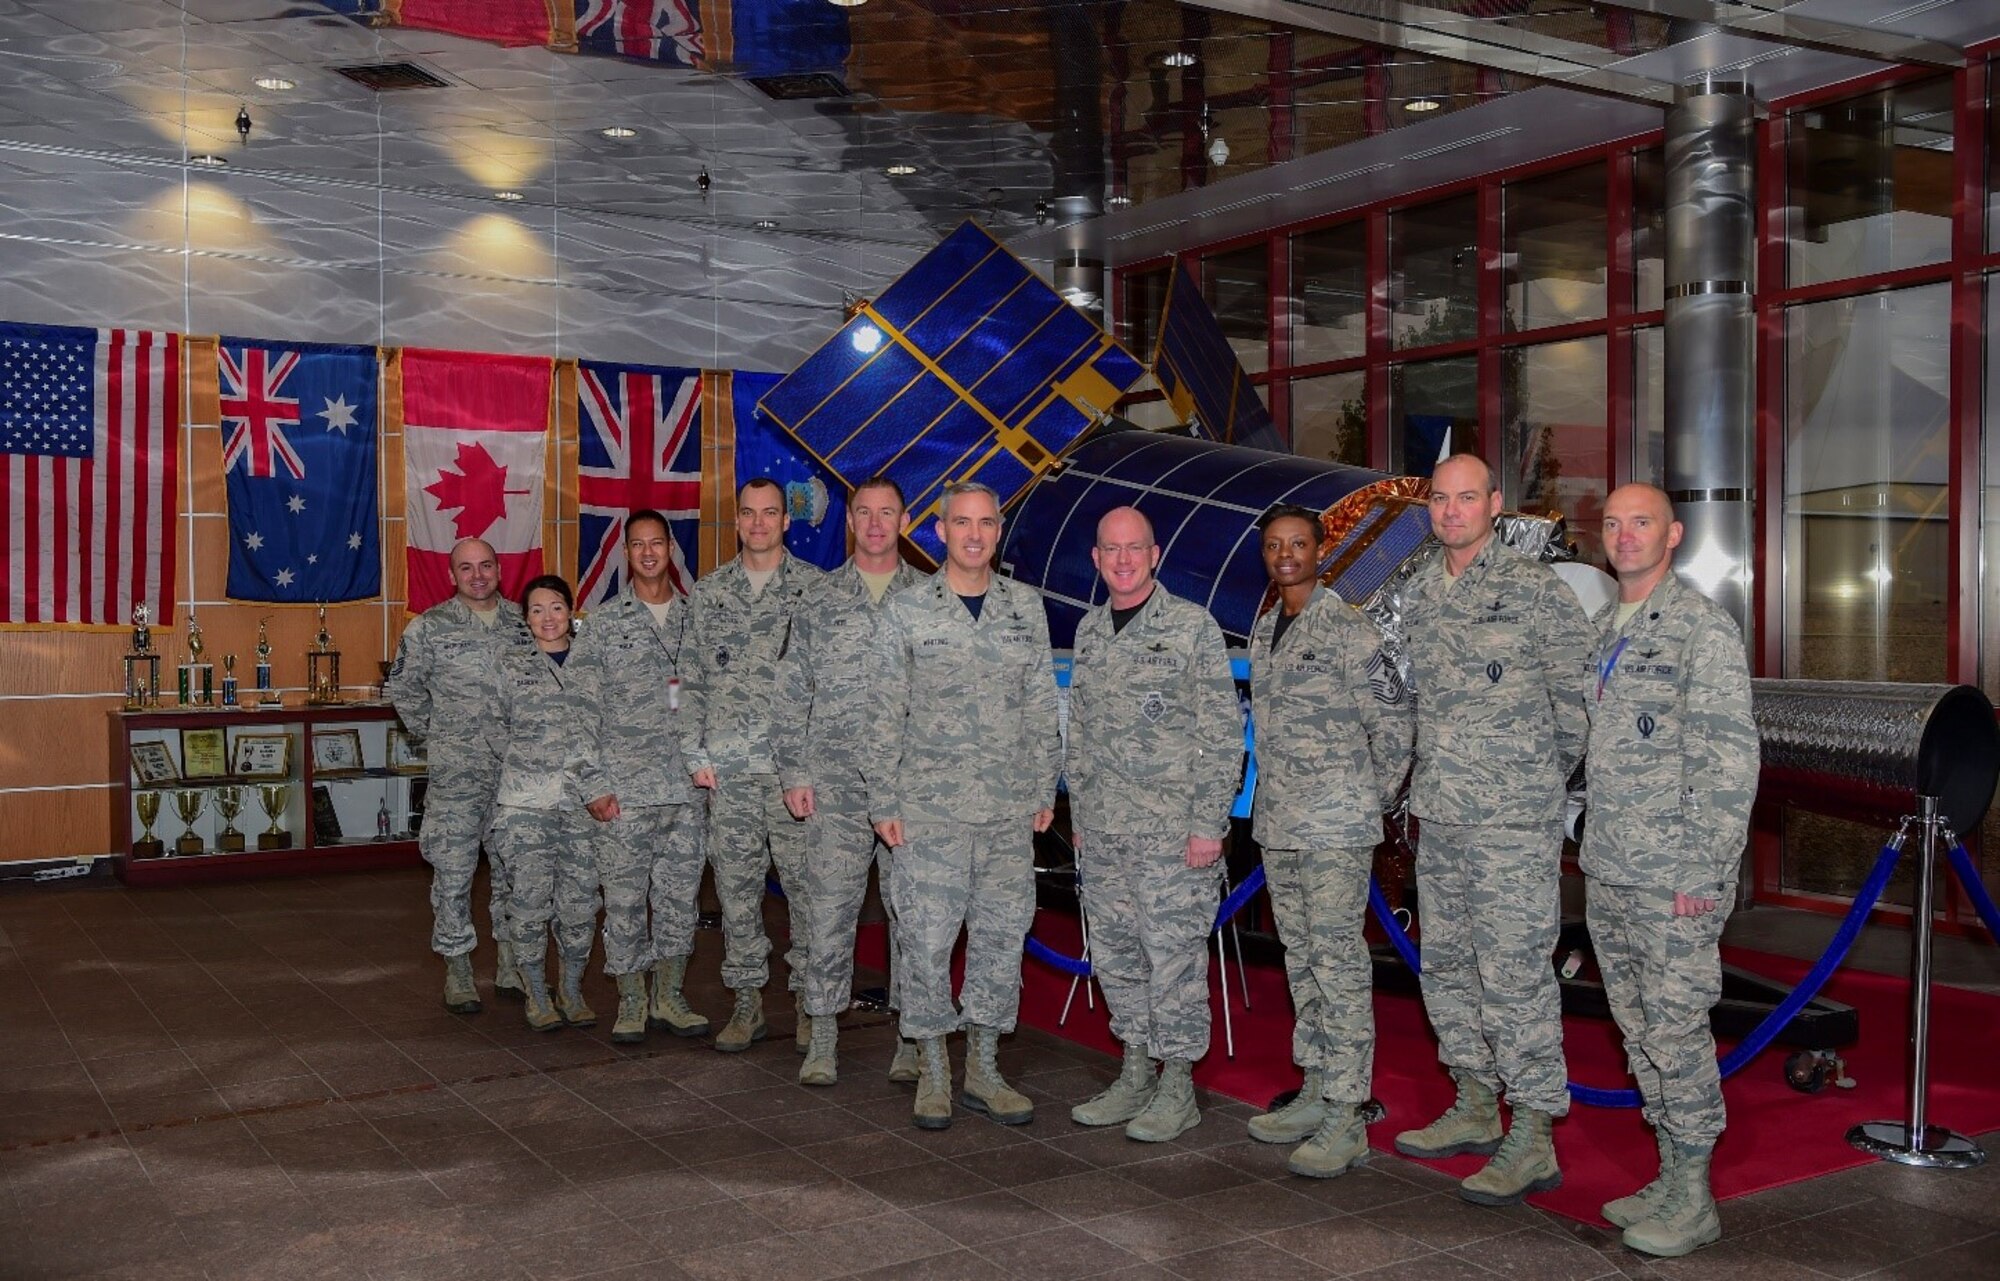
point(1609, 665)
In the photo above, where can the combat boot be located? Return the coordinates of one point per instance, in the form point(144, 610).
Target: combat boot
point(506, 980)
point(569, 996)
point(1297, 1120)
point(746, 1022)
point(1471, 1124)
point(904, 1068)
point(1335, 1148)
point(542, 1016)
point(670, 1009)
point(933, 1108)
point(985, 1089)
point(822, 1065)
point(630, 1026)
point(1628, 1210)
point(802, 1037)
point(1171, 1111)
point(461, 996)
point(1525, 1162)
point(1125, 1097)
point(1684, 1220)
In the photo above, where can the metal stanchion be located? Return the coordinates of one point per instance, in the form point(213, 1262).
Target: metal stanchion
point(1915, 1141)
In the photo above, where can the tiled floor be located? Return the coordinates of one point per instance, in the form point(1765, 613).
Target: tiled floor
point(257, 1081)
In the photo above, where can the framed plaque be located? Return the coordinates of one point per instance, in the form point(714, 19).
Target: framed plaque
point(337, 751)
point(326, 820)
point(263, 756)
point(154, 764)
point(406, 752)
point(205, 752)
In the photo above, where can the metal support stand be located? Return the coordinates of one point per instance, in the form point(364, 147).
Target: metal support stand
point(1915, 1141)
point(1083, 923)
point(1222, 959)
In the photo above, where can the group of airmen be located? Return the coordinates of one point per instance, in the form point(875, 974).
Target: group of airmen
point(827, 722)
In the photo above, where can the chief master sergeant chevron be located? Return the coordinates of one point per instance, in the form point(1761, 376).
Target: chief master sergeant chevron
point(1673, 771)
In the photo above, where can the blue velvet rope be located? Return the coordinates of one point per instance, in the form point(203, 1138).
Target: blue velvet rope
point(1975, 889)
point(1081, 968)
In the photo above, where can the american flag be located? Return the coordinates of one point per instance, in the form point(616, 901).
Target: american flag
point(657, 30)
point(89, 455)
point(638, 446)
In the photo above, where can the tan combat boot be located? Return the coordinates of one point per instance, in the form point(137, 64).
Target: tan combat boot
point(1335, 1148)
point(461, 995)
point(801, 1025)
point(746, 1022)
point(1299, 1119)
point(506, 981)
point(542, 1016)
point(1471, 1124)
point(1125, 1097)
point(1525, 1163)
point(822, 1065)
point(670, 1009)
point(985, 1089)
point(630, 1026)
point(904, 1068)
point(569, 996)
point(933, 1107)
point(1685, 1219)
point(1171, 1111)
point(1628, 1210)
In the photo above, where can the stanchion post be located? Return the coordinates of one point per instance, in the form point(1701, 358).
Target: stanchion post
point(1915, 1141)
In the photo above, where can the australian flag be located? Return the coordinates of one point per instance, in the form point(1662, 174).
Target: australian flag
point(298, 451)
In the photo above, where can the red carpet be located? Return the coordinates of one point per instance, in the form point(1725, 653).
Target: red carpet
point(1776, 1134)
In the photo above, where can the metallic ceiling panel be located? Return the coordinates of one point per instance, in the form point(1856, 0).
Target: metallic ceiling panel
point(1785, 24)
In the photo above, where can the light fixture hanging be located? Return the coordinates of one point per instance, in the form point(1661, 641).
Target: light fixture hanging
point(208, 160)
point(702, 184)
point(243, 123)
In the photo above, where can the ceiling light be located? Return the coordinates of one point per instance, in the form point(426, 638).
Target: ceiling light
point(900, 171)
point(208, 161)
point(618, 131)
point(1178, 58)
point(847, 4)
point(1422, 104)
point(1118, 201)
point(509, 196)
point(276, 84)
point(765, 224)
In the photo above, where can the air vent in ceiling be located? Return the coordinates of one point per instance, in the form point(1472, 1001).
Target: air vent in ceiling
point(809, 84)
point(383, 76)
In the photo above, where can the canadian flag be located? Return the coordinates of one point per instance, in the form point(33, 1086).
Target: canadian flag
point(475, 427)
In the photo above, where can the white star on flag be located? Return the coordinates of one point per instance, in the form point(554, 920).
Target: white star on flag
point(339, 414)
point(255, 542)
point(354, 542)
point(284, 578)
point(312, 558)
point(295, 504)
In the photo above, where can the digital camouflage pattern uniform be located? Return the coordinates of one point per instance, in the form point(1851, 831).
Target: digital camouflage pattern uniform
point(1672, 771)
point(1334, 731)
point(540, 827)
point(1500, 728)
point(1155, 755)
point(730, 663)
point(445, 687)
point(653, 850)
point(968, 753)
point(831, 686)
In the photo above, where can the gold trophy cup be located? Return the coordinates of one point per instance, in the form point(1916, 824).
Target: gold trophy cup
point(229, 804)
point(275, 797)
point(148, 845)
point(189, 803)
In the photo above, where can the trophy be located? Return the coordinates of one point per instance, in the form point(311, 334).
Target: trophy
point(197, 684)
point(322, 667)
point(148, 845)
point(229, 804)
point(229, 680)
point(275, 797)
point(265, 694)
point(189, 803)
point(142, 665)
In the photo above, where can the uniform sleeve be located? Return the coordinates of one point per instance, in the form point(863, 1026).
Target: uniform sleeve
point(1388, 713)
point(692, 723)
point(1719, 779)
point(1043, 719)
point(881, 765)
point(1564, 642)
point(410, 679)
point(1218, 732)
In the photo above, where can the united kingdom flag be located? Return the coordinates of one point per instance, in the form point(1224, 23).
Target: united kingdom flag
point(638, 446)
point(656, 30)
point(254, 412)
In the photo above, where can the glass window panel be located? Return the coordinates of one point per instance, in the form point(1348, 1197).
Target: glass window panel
point(1552, 436)
point(1870, 182)
point(1238, 286)
point(1649, 406)
point(1649, 230)
point(1552, 248)
point(1434, 273)
point(1330, 418)
point(1992, 172)
point(1329, 301)
point(1153, 413)
point(1139, 318)
point(1433, 410)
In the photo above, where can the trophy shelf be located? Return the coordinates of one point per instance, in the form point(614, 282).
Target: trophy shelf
point(196, 789)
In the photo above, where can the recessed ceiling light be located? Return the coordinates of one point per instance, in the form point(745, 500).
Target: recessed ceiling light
point(618, 131)
point(1118, 200)
point(208, 161)
point(847, 4)
point(1178, 58)
point(509, 196)
point(277, 84)
point(900, 171)
point(765, 224)
point(1422, 104)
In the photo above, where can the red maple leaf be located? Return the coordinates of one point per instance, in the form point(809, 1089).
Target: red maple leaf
point(478, 489)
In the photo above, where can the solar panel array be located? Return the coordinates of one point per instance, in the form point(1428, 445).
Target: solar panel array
point(1200, 374)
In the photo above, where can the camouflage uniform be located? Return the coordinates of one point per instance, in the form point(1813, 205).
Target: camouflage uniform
point(540, 827)
point(830, 691)
point(653, 848)
point(1500, 728)
point(1155, 755)
point(1673, 771)
point(444, 686)
point(730, 661)
point(1334, 731)
point(969, 751)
